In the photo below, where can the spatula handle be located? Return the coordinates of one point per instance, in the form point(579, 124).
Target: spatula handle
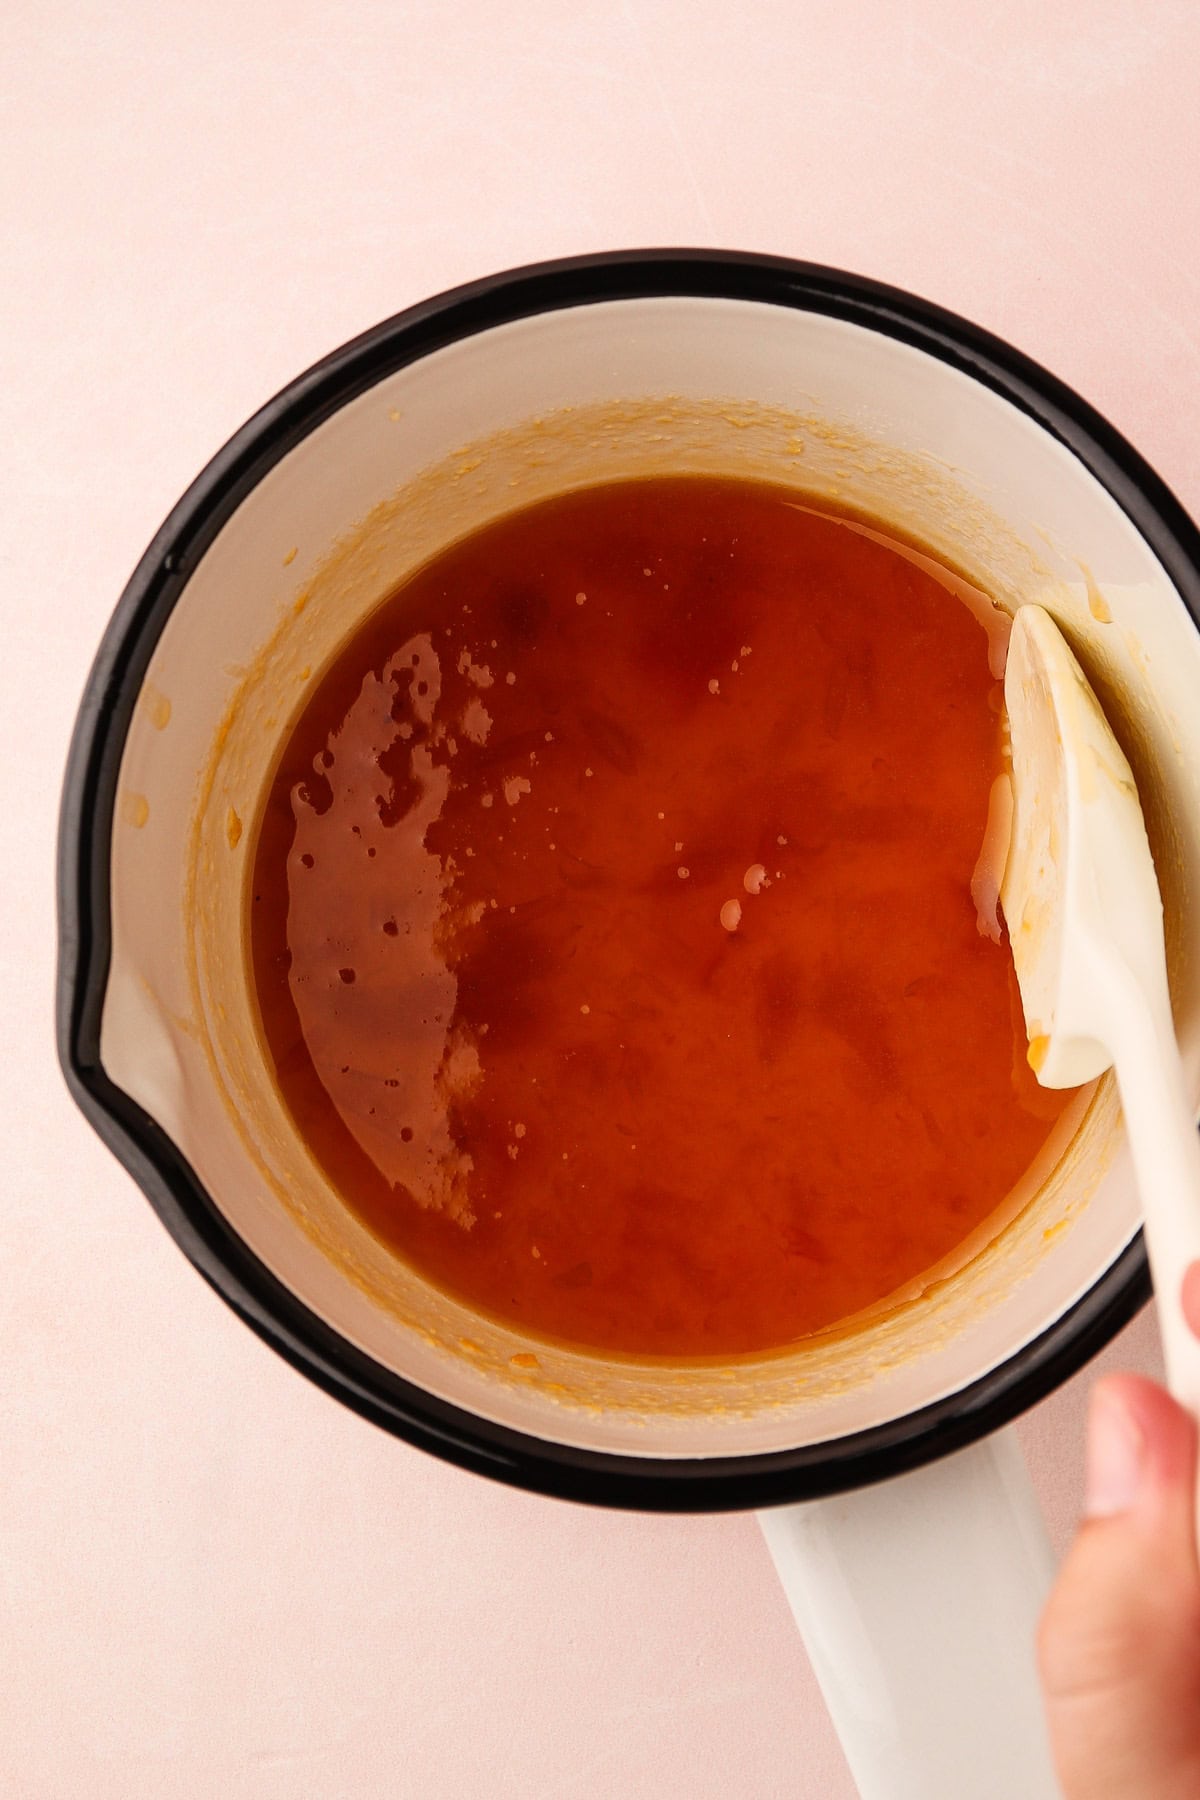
point(1161, 1128)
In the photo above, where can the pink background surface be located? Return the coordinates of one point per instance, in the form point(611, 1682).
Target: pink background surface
point(213, 1581)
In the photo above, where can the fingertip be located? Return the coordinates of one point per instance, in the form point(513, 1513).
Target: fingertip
point(1119, 1643)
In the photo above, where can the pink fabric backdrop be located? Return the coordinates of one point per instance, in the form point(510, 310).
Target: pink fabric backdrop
point(212, 1580)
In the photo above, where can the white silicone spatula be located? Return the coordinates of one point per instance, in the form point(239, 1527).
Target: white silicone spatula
point(1084, 917)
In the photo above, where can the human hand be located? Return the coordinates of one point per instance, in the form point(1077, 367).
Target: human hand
point(1119, 1647)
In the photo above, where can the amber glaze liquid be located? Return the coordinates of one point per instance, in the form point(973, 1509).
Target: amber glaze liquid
point(487, 930)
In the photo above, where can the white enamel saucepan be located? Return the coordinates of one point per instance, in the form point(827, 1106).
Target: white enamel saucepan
point(894, 1501)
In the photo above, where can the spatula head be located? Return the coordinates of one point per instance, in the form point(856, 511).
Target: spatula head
point(1079, 893)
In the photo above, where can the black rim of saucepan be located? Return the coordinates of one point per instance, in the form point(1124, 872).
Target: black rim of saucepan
point(180, 1199)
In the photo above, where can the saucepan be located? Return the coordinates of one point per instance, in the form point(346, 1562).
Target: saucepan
point(892, 1495)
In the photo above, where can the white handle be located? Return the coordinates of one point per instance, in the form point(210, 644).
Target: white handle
point(918, 1601)
point(1166, 1157)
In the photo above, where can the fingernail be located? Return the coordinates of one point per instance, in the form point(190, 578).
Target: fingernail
point(1116, 1458)
point(1190, 1295)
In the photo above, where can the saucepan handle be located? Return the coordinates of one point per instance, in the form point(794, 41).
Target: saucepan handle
point(918, 1600)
